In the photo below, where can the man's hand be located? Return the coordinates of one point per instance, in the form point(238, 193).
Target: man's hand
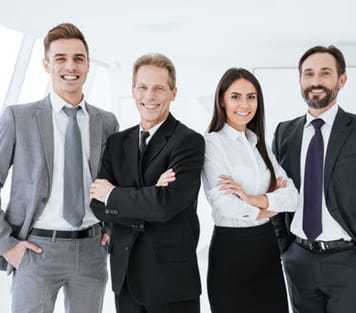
point(281, 182)
point(99, 189)
point(14, 255)
point(166, 178)
point(105, 239)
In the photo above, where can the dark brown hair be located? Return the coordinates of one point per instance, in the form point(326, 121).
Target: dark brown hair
point(64, 31)
point(158, 60)
point(257, 124)
point(335, 52)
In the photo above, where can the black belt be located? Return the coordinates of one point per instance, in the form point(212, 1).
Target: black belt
point(62, 234)
point(325, 246)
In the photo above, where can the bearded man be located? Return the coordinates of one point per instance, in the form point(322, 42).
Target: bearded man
point(318, 151)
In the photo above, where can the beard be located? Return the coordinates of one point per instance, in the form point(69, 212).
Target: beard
point(315, 102)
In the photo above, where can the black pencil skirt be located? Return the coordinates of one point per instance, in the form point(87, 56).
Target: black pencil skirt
point(245, 273)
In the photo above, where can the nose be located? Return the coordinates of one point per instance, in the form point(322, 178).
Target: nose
point(315, 80)
point(150, 94)
point(70, 66)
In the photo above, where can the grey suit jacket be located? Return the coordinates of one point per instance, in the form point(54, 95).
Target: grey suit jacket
point(26, 145)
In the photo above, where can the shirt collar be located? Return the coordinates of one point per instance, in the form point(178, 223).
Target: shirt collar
point(238, 135)
point(153, 129)
point(58, 103)
point(328, 116)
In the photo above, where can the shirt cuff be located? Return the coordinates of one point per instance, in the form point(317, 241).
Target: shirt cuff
point(272, 203)
point(107, 197)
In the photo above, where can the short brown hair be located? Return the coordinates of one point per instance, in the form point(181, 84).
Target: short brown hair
point(64, 31)
point(158, 60)
point(332, 50)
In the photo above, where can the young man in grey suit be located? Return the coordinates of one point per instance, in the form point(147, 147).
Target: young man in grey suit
point(318, 152)
point(49, 236)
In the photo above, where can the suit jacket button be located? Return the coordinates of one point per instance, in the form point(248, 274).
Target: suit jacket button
point(141, 226)
point(127, 248)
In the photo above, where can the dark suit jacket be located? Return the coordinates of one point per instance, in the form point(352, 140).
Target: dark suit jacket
point(339, 171)
point(156, 229)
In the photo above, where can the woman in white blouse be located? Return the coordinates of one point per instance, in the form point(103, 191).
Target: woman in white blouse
point(245, 187)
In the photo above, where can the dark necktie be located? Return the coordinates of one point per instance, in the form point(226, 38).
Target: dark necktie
point(313, 183)
point(73, 191)
point(144, 135)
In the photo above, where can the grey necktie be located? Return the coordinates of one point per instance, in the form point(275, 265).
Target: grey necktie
point(73, 191)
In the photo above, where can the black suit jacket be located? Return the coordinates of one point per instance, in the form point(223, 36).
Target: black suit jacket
point(156, 229)
point(339, 171)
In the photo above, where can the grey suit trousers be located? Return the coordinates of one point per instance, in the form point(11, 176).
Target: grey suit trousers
point(76, 265)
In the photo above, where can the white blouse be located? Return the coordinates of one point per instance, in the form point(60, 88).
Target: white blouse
point(233, 153)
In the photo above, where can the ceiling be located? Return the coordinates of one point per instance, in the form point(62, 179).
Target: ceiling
point(198, 35)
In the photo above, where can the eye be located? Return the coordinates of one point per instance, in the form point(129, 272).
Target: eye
point(235, 96)
point(60, 59)
point(79, 59)
point(141, 88)
point(251, 97)
point(308, 74)
point(326, 73)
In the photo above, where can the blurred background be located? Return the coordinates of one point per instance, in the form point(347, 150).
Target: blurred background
point(203, 39)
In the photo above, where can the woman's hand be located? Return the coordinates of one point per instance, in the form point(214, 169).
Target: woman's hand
point(229, 186)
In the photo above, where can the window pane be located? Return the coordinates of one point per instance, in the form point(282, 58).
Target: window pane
point(8, 57)
point(36, 80)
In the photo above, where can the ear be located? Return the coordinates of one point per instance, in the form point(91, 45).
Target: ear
point(174, 93)
point(45, 64)
point(342, 80)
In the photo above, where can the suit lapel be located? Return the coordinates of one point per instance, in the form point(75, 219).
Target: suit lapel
point(130, 146)
point(340, 131)
point(95, 135)
point(294, 150)
point(45, 126)
point(159, 140)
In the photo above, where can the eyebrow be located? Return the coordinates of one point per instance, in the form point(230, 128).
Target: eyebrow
point(240, 94)
point(322, 69)
point(64, 54)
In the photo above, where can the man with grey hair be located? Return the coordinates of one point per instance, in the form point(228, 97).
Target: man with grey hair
point(148, 187)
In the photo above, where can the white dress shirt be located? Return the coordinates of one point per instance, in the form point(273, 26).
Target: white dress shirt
point(52, 215)
point(331, 229)
point(233, 153)
point(151, 131)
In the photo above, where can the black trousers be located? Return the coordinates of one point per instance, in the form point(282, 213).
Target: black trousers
point(125, 303)
point(245, 272)
point(321, 282)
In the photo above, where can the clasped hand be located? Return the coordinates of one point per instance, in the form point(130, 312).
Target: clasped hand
point(229, 186)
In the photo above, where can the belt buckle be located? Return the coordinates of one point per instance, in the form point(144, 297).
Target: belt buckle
point(323, 246)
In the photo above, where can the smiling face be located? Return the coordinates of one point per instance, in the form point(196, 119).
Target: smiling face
point(152, 94)
point(320, 81)
point(240, 103)
point(67, 63)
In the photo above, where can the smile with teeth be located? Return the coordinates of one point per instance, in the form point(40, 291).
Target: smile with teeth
point(150, 107)
point(243, 114)
point(70, 77)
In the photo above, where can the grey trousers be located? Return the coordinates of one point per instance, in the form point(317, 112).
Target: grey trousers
point(76, 265)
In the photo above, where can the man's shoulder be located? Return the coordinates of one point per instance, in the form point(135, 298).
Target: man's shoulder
point(94, 109)
point(122, 135)
point(22, 111)
point(184, 130)
point(291, 124)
